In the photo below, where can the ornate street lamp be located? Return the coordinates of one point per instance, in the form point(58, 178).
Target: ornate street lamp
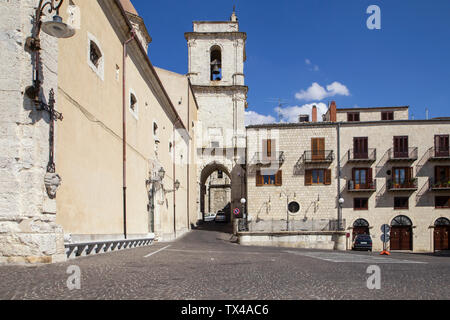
point(55, 28)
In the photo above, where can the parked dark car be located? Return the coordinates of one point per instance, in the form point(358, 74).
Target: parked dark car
point(362, 242)
point(221, 216)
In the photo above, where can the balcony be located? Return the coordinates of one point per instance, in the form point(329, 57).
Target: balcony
point(405, 185)
point(369, 156)
point(352, 186)
point(438, 185)
point(320, 156)
point(261, 158)
point(439, 154)
point(411, 155)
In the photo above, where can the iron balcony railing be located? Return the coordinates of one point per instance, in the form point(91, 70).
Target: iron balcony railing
point(264, 158)
point(318, 156)
point(440, 153)
point(411, 154)
point(439, 184)
point(403, 185)
point(354, 186)
point(369, 156)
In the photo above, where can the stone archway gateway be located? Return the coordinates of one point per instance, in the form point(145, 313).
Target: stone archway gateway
point(215, 189)
point(401, 233)
point(441, 231)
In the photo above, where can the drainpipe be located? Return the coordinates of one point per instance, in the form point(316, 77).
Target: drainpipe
point(124, 130)
point(188, 158)
point(339, 175)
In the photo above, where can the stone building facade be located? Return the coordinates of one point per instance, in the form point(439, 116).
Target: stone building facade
point(393, 172)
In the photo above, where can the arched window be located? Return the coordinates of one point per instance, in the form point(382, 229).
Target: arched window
point(361, 223)
point(401, 221)
point(216, 63)
point(442, 222)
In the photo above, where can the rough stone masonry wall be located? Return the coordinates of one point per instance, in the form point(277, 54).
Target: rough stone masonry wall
point(268, 203)
point(28, 233)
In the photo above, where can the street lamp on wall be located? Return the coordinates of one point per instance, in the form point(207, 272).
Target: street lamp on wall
point(55, 28)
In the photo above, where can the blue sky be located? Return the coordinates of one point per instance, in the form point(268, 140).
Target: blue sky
point(315, 51)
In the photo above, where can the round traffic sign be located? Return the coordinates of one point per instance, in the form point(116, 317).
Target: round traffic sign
point(385, 238)
point(385, 228)
point(237, 212)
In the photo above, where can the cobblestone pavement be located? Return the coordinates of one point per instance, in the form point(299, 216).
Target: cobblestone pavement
point(203, 265)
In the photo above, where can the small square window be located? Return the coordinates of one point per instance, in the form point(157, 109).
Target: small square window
point(361, 204)
point(353, 117)
point(442, 202)
point(401, 203)
point(387, 115)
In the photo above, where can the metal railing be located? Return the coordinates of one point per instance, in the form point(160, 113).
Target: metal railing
point(264, 158)
point(353, 186)
point(439, 153)
point(410, 154)
point(317, 156)
point(370, 155)
point(407, 184)
point(439, 184)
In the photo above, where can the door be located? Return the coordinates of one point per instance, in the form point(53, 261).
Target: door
point(441, 240)
point(441, 144)
point(401, 147)
point(318, 148)
point(401, 238)
point(360, 148)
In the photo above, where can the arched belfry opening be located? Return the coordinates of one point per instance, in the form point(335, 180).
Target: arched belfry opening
point(216, 63)
point(215, 186)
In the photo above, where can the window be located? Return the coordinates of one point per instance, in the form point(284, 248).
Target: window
point(387, 115)
point(361, 204)
point(353, 116)
point(401, 147)
point(220, 174)
point(95, 54)
point(362, 178)
point(133, 102)
point(318, 148)
point(403, 177)
point(317, 177)
point(442, 202)
point(95, 57)
point(360, 148)
point(216, 63)
point(442, 175)
point(401, 203)
point(269, 179)
point(441, 145)
point(304, 118)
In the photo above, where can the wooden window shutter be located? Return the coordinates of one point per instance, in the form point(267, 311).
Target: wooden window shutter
point(370, 175)
point(259, 179)
point(269, 147)
point(327, 177)
point(308, 177)
point(264, 149)
point(279, 178)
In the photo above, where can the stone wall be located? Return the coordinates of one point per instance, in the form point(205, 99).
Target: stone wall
point(28, 232)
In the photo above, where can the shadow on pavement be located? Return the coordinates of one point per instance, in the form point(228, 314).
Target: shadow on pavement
point(214, 226)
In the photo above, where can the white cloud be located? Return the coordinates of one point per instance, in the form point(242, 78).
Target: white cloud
point(253, 118)
point(307, 61)
point(312, 67)
point(291, 114)
point(337, 88)
point(318, 93)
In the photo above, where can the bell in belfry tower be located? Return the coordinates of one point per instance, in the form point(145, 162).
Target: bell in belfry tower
point(215, 67)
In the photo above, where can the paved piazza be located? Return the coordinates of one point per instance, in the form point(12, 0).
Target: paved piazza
point(204, 265)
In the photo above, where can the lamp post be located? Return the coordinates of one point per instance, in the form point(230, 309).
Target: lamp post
point(341, 204)
point(58, 29)
point(287, 206)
